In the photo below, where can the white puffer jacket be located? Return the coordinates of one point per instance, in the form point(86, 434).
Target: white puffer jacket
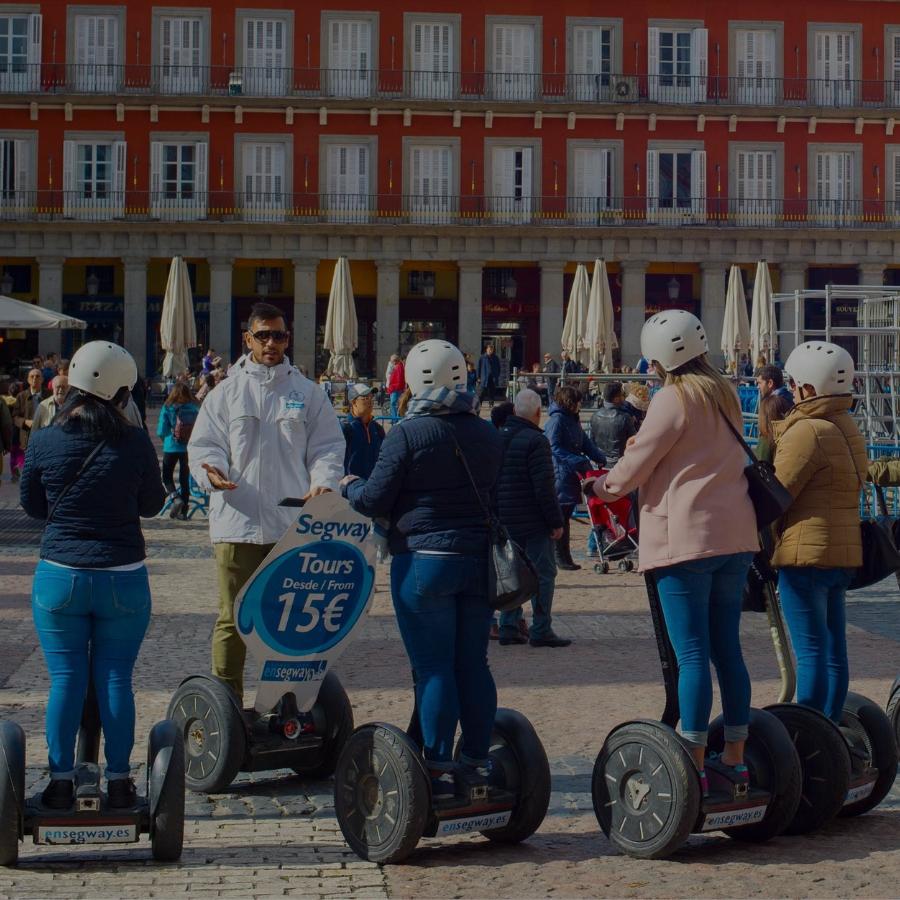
point(276, 435)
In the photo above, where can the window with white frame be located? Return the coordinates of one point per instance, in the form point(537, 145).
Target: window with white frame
point(834, 200)
point(754, 67)
point(677, 63)
point(755, 184)
point(182, 54)
point(512, 183)
point(94, 178)
point(834, 67)
point(893, 168)
point(16, 177)
point(97, 52)
point(676, 185)
point(178, 179)
point(432, 59)
point(512, 75)
point(431, 183)
point(348, 182)
point(265, 61)
point(350, 57)
point(591, 184)
point(592, 61)
point(892, 66)
point(263, 180)
point(20, 52)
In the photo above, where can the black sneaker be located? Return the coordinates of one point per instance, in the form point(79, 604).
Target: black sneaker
point(507, 639)
point(59, 794)
point(121, 793)
point(176, 509)
point(550, 640)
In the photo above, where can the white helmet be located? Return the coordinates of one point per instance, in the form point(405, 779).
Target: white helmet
point(673, 338)
point(102, 368)
point(827, 367)
point(435, 364)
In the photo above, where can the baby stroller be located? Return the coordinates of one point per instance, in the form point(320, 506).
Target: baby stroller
point(614, 529)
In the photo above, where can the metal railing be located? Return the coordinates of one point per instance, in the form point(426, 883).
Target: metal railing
point(408, 84)
point(446, 210)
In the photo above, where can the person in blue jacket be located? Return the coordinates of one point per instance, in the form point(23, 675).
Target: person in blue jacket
point(439, 540)
point(573, 450)
point(92, 476)
point(176, 422)
point(363, 434)
point(488, 375)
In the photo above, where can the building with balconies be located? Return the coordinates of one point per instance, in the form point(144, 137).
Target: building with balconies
point(464, 157)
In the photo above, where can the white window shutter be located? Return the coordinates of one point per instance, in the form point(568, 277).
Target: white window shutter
point(605, 157)
point(896, 167)
point(699, 63)
point(82, 28)
point(156, 164)
point(579, 175)
point(201, 175)
point(332, 173)
point(7, 167)
point(362, 176)
point(527, 175)
point(652, 184)
point(503, 159)
point(35, 28)
point(120, 158)
point(744, 49)
point(698, 183)
point(416, 175)
point(22, 162)
point(70, 152)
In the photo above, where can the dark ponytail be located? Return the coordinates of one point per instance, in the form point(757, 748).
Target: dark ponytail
point(101, 419)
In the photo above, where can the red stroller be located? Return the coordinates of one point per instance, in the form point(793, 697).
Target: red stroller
point(614, 529)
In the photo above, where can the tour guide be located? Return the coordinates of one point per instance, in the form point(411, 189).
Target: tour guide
point(264, 433)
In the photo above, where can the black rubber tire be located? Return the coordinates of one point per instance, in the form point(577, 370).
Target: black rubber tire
point(167, 841)
point(12, 790)
point(215, 739)
point(774, 766)
point(824, 764)
point(333, 716)
point(861, 712)
point(893, 712)
point(517, 749)
point(87, 745)
point(636, 756)
point(382, 798)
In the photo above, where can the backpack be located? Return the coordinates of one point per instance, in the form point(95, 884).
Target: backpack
point(184, 424)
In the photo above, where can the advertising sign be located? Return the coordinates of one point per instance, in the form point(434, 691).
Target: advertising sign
point(306, 600)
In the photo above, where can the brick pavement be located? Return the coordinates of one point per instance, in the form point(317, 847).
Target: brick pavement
point(272, 835)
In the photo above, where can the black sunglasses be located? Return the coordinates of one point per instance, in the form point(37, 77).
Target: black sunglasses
point(280, 337)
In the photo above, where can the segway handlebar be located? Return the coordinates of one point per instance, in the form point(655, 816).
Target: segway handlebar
point(292, 501)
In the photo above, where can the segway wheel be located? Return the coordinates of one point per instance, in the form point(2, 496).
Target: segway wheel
point(215, 739)
point(646, 790)
point(333, 718)
point(893, 711)
point(774, 766)
point(517, 751)
point(165, 790)
point(12, 790)
point(824, 764)
point(382, 797)
point(869, 730)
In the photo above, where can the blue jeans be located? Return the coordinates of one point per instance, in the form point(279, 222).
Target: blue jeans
point(539, 550)
point(442, 608)
point(701, 602)
point(395, 400)
point(813, 603)
point(82, 617)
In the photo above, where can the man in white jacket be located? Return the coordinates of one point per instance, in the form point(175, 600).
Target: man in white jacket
point(264, 433)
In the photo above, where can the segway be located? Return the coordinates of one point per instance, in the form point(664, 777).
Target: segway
point(90, 820)
point(646, 789)
point(295, 614)
point(893, 708)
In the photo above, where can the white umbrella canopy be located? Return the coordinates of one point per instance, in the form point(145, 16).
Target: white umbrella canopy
point(736, 328)
point(762, 316)
point(600, 329)
point(575, 326)
point(177, 327)
point(18, 314)
point(341, 326)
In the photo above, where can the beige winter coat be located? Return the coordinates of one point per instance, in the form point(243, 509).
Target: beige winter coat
point(820, 457)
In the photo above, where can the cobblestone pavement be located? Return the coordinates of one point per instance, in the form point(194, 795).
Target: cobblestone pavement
point(272, 835)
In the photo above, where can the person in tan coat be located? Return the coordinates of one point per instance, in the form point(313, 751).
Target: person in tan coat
point(820, 457)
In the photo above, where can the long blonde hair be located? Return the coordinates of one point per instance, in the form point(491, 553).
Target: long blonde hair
point(697, 380)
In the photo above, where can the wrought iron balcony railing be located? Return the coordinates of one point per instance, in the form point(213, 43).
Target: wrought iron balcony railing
point(382, 84)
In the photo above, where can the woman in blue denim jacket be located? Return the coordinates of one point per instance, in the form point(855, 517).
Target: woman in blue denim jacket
point(91, 594)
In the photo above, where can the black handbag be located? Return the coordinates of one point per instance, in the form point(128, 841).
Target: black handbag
point(769, 496)
point(512, 578)
point(881, 558)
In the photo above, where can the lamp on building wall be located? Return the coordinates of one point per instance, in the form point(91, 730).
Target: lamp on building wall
point(673, 287)
point(92, 284)
point(262, 282)
point(510, 288)
point(6, 283)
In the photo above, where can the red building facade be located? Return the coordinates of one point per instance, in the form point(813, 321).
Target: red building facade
point(465, 158)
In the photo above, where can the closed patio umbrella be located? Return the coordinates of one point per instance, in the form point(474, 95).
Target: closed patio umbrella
point(601, 327)
point(341, 326)
point(762, 316)
point(18, 314)
point(575, 326)
point(177, 328)
point(736, 328)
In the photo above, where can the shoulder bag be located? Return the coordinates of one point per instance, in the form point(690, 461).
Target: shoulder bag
point(769, 496)
point(512, 578)
point(74, 479)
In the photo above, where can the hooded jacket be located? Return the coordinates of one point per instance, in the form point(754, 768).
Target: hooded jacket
point(274, 433)
point(572, 452)
point(820, 457)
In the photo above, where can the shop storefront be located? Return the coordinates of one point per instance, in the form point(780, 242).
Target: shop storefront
point(17, 347)
point(511, 310)
point(429, 307)
point(843, 309)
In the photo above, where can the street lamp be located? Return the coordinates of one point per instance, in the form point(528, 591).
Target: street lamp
point(262, 282)
point(6, 283)
point(673, 287)
point(510, 288)
point(92, 284)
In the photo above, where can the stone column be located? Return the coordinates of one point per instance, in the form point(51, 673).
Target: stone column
point(135, 313)
point(387, 313)
point(871, 274)
point(551, 307)
point(304, 324)
point(793, 278)
point(220, 309)
point(470, 314)
point(50, 278)
point(634, 274)
point(713, 285)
